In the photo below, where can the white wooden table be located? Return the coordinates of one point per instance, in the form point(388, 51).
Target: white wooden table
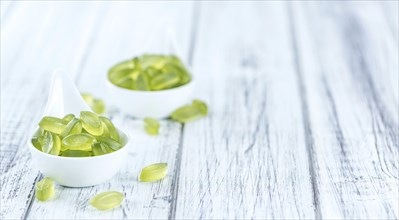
point(303, 100)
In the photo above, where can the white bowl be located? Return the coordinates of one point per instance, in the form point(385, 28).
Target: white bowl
point(155, 104)
point(80, 171)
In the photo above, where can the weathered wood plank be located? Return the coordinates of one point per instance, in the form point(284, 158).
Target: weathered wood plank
point(25, 91)
point(347, 64)
point(120, 37)
point(28, 28)
point(391, 12)
point(248, 158)
point(5, 9)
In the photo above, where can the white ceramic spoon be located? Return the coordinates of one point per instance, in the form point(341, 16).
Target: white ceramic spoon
point(64, 98)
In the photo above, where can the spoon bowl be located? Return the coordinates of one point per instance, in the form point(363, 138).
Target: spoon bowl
point(64, 98)
point(160, 103)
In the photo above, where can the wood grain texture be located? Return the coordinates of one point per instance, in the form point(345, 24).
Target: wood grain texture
point(350, 92)
point(248, 158)
point(303, 100)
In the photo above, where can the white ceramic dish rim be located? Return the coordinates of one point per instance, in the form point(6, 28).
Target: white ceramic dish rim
point(82, 158)
point(152, 92)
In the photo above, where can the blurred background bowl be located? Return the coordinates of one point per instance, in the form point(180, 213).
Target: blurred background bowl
point(155, 104)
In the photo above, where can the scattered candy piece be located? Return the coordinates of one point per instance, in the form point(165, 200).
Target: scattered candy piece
point(153, 172)
point(44, 189)
point(97, 105)
point(107, 200)
point(191, 112)
point(151, 126)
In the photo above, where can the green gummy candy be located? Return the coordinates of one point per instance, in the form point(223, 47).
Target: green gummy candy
point(190, 112)
point(107, 200)
point(155, 61)
point(36, 143)
point(152, 72)
point(142, 82)
point(91, 123)
point(53, 124)
point(78, 142)
point(98, 106)
point(44, 189)
point(67, 118)
point(100, 148)
point(50, 143)
point(75, 153)
point(153, 172)
point(46, 142)
point(73, 127)
point(201, 106)
point(120, 76)
point(128, 64)
point(114, 145)
point(151, 126)
point(88, 98)
point(165, 81)
point(127, 83)
point(110, 128)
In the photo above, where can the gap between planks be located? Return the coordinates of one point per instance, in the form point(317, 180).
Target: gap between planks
point(175, 181)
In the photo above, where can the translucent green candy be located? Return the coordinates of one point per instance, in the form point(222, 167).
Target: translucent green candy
point(91, 135)
point(111, 143)
point(129, 64)
point(121, 76)
point(191, 112)
point(88, 98)
point(100, 148)
point(97, 105)
point(201, 106)
point(73, 127)
point(67, 118)
point(153, 172)
point(111, 130)
point(107, 200)
point(78, 142)
point(156, 61)
point(179, 69)
point(91, 123)
point(50, 143)
point(36, 143)
point(44, 189)
point(150, 72)
point(53, 124)
point(142, 82)
point(127, 83)
point(151, 126)
point(75, 153)
point(165, 81)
